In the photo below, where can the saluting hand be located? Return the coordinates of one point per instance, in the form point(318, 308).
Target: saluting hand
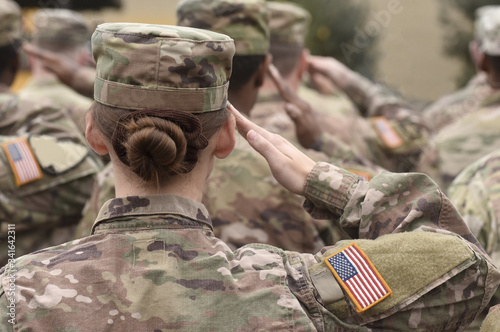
point(288, 164)
point(307, 126)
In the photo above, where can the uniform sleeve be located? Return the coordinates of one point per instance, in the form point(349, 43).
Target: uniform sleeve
point(5, 317)
point(401, 222)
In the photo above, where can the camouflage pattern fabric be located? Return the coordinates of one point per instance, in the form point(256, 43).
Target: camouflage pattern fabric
point(288, 23)
point(59, 29)
point(246, 21)
point(488, 30)
point(476, 194)
point(40, 117)
point(143, 66)
point(60, 95)
point(10, 22)
point(161, 249)
point(45, 212)
point(456, 105)
point(463, 142)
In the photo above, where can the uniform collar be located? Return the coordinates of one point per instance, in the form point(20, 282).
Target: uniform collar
point(147, 206)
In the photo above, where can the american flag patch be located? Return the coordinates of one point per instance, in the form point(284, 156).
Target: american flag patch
point(358, 277)
point(390, 137)
point(22, 161)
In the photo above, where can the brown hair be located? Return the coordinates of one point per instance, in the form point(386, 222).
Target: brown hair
point(155, 147)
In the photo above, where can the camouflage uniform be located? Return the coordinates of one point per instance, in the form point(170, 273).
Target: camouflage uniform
point(245, 201)
point(117, 277)
point(59, 30)
point(44, 211)
point(139, 255)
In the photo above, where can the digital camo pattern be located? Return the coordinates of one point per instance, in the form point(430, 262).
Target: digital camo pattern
point(145, 66)
point(60, 95)
point(45, 212)
point(246, 21)
point(198, 283)
point(10, 22)
point(463, 142)
point(57, 28)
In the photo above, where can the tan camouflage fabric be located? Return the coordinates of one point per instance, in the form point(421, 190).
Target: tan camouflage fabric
point(35, 117)
point(288, 23)
point(10, 22)
point(143, 66)
point(458, 104)
point(488, 30)
point(162, 250)
point(59, 29)
point(492, 319)
point(60, 95)
point(45, 212)
point(246, 21)
point(463, 142)
point(476, 194)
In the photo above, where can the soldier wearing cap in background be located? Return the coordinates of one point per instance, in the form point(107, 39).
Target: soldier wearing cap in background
point(44, 181)
point(153, 262)
point(65, 32)
point(468, 99)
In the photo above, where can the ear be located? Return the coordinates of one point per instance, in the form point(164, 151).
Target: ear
point(261, 73)
point(226, 138)
point(94, 137)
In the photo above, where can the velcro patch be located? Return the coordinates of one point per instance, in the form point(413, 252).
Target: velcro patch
point(22, 161)
point(358, 277)
point(387, 133)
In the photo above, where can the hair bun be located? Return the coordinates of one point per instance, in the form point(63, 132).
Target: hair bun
point(155, 147)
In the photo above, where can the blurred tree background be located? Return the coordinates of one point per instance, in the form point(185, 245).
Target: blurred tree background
point(457, 18)
point(335, 26)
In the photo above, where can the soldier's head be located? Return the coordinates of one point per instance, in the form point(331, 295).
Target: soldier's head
point(288, 24)
point(488, 34)
point(10, 40)
point(63, 31)
point(160, 95)
point(245, 21)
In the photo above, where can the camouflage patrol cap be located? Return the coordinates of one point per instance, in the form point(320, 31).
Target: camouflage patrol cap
point(10, 22)
point(488, 29)
point(59, 28)
point(246, 21)
point(288, 23)
point(144, 66)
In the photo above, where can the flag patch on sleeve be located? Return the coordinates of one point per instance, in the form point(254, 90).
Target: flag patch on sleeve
point(358, 277)
point(384, 129)
point(22, 161)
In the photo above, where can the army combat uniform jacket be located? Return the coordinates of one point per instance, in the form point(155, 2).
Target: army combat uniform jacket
point(153, 263)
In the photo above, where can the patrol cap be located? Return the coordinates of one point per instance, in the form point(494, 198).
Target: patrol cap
point(288, 23)
point(488, 30)
point(246, 21)
point(145, 66)
point(10, 22)
point(59, 28)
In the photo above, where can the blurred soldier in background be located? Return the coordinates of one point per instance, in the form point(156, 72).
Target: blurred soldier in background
point(44, 181)
point(65, 32)
point(468, 99)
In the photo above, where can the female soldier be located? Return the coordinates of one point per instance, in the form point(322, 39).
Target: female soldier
point(153, 263)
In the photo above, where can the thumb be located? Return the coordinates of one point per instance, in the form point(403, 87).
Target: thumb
point(293, 111)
